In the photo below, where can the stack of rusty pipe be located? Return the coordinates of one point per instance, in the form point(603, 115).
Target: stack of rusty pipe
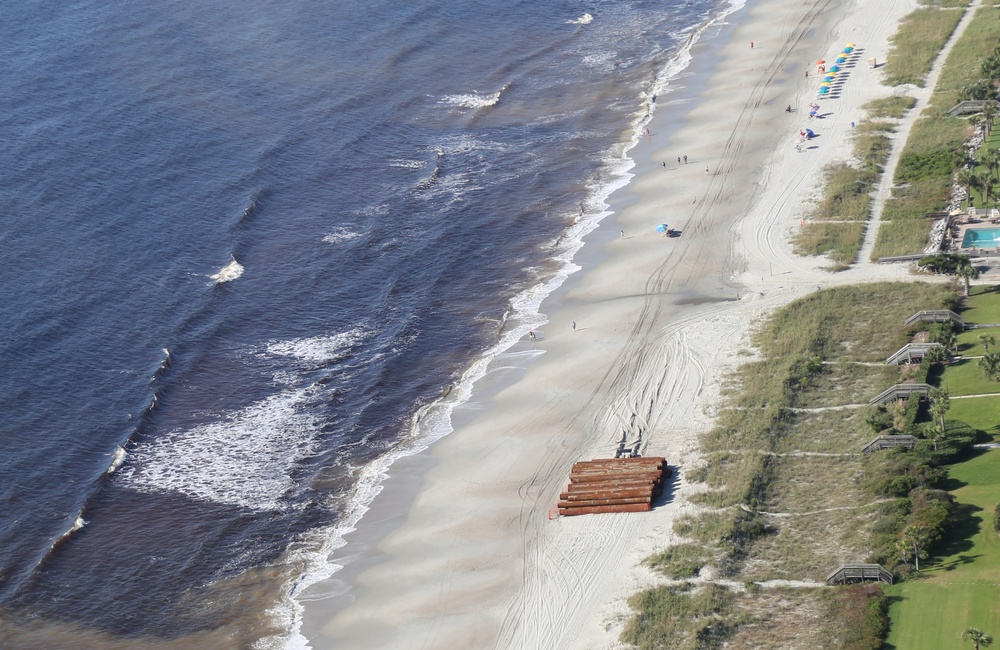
point(613, 485)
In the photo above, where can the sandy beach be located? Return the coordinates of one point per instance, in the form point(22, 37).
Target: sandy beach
point(460, 549)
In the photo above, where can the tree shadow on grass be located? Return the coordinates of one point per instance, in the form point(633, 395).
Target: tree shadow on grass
point(966, 524)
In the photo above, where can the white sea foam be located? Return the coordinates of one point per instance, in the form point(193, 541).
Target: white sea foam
point(244, 458)
point(407, 164)
point(229, 272)
point(472, 100)
point(318, 349)
point(340, 235)
point(585, 19)
point(475, 99)
point(313, 550)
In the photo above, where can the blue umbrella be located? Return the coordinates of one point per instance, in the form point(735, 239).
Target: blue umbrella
point(834, 68)
point(824, 90)
point(662, 228)
point(847, 50)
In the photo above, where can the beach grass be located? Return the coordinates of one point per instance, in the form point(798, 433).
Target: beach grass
point(683, 616)
point(963, 64)
point(957, 589)
point(846, 198)
point(782, 482)
point(892, 106)
point(935, 147)
point(915, 45)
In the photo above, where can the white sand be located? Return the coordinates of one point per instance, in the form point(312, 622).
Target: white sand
point(475, 561)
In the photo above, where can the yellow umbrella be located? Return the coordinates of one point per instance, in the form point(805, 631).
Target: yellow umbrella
point(850, 45)
point(825, 83)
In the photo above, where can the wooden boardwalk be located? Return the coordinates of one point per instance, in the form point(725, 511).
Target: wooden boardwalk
point(936, 316)
point(848, 573)
point(900, 391)
point(888, 442)
point(911, 352)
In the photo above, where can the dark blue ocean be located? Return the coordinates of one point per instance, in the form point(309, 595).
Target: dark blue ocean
point(252, 252)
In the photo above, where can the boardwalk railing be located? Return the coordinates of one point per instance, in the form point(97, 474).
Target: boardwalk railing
point(900, 391)
point(847, 573)
point(970, 106)
point(911, 352)
point(912, 257)
point(935, 316)
point(888, 442)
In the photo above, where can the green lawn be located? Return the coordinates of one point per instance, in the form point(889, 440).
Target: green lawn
point(981, 413)
point(968, 341)
point(959, 588)
point(983, 305)
point(967, 378)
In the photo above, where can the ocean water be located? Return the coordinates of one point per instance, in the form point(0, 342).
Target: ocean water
point(253, 252)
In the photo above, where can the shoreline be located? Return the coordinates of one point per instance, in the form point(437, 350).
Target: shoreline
point(458, 550)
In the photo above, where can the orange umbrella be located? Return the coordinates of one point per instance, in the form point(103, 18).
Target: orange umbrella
point(820, 61)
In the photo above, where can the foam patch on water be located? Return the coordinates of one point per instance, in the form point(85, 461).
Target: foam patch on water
point(243, 459)
point(475, 99)
point(340, 235)
point(318, 349)
point(229, 272)
point(585, 19)
point(407, 164)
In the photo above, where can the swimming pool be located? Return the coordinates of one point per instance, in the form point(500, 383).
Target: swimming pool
point(981, 238)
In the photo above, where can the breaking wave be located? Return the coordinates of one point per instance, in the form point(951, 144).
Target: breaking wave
point(229, 272)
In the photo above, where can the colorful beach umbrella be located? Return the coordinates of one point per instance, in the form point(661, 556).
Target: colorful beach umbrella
point(850, 45)
point(662, 228)
point(824, 90)
point(847, 50)
point(828, 78)
point(841, 59)
point(824, 84)
point(820, 61)
point(834, 68)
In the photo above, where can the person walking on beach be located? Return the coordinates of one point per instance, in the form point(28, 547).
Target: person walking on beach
point(706, 170)
point(685, 160)
point(678, 160)
point(531, 335)
point(574, 326)
point(751, 45)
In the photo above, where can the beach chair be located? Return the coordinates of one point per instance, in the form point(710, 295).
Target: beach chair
point(994, 215)
point(972, 213)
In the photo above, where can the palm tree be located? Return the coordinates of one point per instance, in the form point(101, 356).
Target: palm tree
point(975, 183)
point(967, 273)
point(967, 177)
point(939, 406)
point(991, 159)
point(985, 181)
point(978, 637)
point(990, 113)
point(987, 340)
